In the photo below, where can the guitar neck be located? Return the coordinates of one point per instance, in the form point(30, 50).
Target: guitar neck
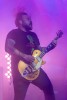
point(56, 38)
point(49, 47)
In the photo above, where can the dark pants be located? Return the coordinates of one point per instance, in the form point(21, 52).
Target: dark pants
point(43, 82)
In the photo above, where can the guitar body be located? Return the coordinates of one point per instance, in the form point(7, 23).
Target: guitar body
point(22, 66)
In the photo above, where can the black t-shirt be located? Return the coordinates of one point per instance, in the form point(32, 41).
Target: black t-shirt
point(25, 42)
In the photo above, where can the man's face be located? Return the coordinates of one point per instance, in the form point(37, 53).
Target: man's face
point(26, 22)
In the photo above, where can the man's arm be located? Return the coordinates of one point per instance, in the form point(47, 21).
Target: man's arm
point(9, 47)
point(51, 46)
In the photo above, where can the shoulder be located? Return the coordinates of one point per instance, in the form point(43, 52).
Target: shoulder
point(34, 34)
point(12, 33)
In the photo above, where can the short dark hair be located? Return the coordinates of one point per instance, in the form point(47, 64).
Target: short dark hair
point(19, 17)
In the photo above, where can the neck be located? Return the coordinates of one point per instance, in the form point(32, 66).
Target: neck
point(23, 29)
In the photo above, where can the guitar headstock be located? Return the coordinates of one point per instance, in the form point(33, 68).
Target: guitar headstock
point(59, 34)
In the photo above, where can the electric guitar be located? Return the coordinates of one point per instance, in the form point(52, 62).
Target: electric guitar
point(31, 72)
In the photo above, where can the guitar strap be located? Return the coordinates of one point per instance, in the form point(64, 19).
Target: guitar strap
point(29, 37)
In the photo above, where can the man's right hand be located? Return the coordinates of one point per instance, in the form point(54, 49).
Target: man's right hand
point(29, 58)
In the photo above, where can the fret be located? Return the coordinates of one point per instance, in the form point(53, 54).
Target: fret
point(47, 49)
point(42, 54)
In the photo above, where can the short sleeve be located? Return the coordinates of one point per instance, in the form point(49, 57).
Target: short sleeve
point(9, 36)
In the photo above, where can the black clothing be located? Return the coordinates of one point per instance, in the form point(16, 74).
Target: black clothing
point(43, 82)
point(26, 42)
point(23, 39)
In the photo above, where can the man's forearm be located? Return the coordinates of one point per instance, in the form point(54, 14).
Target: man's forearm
point(26, 58)
point(10, 48)
point(51, 46)
point(17, 52)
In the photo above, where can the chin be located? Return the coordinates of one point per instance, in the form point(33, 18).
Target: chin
point(30, 28)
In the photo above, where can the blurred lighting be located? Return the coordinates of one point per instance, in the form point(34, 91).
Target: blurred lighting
point(8, 59)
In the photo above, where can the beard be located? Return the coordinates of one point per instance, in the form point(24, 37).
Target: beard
point(28, 27)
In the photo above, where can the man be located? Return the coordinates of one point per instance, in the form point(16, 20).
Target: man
point(26, 41)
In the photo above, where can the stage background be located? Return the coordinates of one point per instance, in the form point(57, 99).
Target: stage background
point(48, 17)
